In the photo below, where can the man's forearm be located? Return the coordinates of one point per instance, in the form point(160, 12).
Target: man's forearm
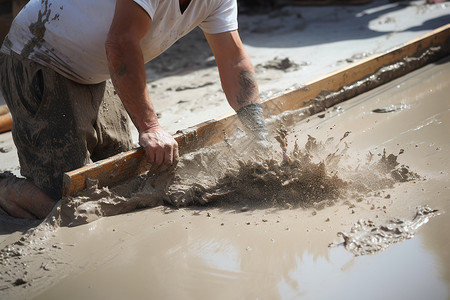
point(128, 76)
point(247, 89)
point(239, 82)
point(243, 96)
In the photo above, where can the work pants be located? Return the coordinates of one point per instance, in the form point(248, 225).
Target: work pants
point(60, 125)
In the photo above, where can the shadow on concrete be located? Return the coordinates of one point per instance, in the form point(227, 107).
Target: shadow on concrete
point(306, 25)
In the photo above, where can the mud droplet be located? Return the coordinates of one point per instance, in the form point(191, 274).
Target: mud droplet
point(19, 281)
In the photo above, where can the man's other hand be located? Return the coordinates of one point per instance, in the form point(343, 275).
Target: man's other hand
point(160, 148)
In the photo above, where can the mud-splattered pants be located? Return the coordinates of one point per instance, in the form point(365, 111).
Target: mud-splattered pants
point(60, 125)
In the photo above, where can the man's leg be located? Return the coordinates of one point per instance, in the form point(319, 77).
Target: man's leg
point(49, 137)
point(54, 124)
point(16, 193)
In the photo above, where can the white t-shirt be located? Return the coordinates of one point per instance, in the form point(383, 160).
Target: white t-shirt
point(69, 35)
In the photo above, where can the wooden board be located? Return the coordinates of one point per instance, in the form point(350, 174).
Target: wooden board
point(113, 170)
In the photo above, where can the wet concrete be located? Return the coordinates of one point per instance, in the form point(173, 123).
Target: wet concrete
point(225, 252)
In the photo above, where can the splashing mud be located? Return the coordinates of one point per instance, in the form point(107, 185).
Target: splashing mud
point(297, 178)
point(366, 237)
point(227, 176)
point(293, 180)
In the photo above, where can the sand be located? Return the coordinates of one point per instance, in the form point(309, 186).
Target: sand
point(285, 249)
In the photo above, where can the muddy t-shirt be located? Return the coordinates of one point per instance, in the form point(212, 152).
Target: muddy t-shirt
point(69, 35)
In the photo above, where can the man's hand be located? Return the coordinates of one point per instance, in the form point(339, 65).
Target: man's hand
point(160, 148)
point(252, 118)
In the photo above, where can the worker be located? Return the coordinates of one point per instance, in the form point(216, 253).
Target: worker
point(71, 71)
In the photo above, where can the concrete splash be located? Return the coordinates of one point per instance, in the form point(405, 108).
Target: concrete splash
point(232, 174)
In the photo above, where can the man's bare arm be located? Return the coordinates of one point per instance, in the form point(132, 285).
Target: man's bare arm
point(236, 70)
point(238, 80)
point(126, 65)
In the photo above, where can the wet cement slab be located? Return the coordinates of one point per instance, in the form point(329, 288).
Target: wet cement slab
point(281, 252)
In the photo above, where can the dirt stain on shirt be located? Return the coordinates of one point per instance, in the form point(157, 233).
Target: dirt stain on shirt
point(38, 29)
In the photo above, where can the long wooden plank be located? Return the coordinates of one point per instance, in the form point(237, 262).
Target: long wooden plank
point(362, 69)
point(129, 164)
